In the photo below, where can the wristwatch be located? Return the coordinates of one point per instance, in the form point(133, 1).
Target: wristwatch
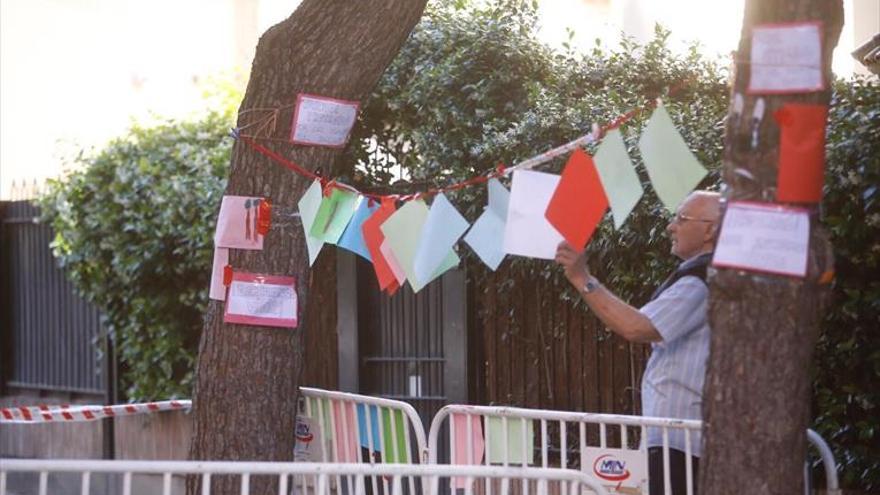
point(591, 285)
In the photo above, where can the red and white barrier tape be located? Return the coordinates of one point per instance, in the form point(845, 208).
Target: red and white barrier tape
point(67, 413)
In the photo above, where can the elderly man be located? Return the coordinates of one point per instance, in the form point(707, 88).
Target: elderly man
point(674, 322)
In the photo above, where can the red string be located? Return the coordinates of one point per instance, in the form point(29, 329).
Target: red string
point(498, 172)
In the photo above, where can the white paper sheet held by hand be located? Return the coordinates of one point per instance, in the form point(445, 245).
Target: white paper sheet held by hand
point(765, 238)
point(527, 231)
point(443, 227)
point(486, 237)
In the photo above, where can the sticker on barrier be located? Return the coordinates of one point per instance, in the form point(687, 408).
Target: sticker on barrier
point(620, 471)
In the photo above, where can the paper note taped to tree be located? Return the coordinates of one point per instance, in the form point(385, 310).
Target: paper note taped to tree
point(786, 58)
point(765, 238)
point(322, 121)
point(263, 300)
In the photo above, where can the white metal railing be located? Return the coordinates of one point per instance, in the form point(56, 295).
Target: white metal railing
point(314, 478)
point(347, 422)
point(612, 434)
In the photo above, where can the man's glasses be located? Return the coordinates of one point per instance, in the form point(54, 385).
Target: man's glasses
point(682, 218)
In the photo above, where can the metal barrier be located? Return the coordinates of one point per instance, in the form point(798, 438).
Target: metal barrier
point(606, 445)
point(312, 478)
point(350, 427)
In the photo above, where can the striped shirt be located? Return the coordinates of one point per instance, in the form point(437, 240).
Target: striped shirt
point(672, 386)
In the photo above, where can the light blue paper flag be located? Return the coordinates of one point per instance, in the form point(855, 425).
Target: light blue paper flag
point(442, 229)
point(487, 235)
point(353, 238)
point(402, 231)
point(365, 435)
point(673, 169)
point(619, 178)
point(308, 209)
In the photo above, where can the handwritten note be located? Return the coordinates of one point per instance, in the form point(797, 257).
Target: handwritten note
point(764, 238)
point(322, 121)
point(786, 58)
point(263, 300)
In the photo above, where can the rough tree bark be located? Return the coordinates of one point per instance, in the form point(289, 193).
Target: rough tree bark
point(764, 328)
point(247, 377)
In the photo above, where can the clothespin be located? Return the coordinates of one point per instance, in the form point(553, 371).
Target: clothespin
point(227, 275)
point(264, 217)
point(235, 133)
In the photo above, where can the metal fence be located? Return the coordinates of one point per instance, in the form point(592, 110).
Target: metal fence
point(309, 478)
point(47, 331)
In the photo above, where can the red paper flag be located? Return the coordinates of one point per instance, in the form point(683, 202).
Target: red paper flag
point(579, 202)
point(373, 238)
point(801, 152)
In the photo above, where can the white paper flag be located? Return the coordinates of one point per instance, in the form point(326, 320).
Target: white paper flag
point(527, 232)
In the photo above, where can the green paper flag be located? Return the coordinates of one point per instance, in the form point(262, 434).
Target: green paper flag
point(394, 452)
point(619, 178)
point(402, 232)
point(308, 207)
point(516, 451)
point(673, 169)
point(333, 215)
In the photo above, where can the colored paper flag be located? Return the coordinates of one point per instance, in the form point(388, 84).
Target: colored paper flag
point(373, 238)
point(673, 169)
point(619, 178)
point(398, 272)
point(579, 202)
point(402, 230)
point(370, 438)
point(237, 223)
point(308, 208)
point(394, 437)
point(333, 215)
point(527, 231)
point(442, 229)
point(801, 152)
point(218, 289)
point(353, 237)
point(520, 440)
point(486, 237)
point(467, 449)
point(345, 436)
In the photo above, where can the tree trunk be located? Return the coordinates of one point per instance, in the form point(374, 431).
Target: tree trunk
point(245, 398)
point(764, 328)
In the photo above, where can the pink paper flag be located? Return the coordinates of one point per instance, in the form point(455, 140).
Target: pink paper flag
point(468, 449)
point(345, 435)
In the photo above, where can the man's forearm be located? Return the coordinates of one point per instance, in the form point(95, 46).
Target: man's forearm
point(620, 317)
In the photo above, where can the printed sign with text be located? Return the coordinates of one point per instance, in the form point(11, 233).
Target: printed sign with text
point(765, 238)
point(264, 300)
point(322, 121)
point(786, 58)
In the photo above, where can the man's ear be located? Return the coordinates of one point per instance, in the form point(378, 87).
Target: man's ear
point(712, 232)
